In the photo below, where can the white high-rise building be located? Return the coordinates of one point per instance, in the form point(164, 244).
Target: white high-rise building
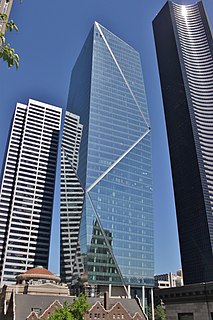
point(27, 188)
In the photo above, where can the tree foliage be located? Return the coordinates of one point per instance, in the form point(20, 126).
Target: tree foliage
point(7, 53)
point(159, 313)
point(72, 311)
point(62, 313)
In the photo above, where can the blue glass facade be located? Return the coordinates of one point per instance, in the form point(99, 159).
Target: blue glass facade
point(107, 92)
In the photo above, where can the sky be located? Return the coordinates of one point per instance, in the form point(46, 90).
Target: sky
point(51, 34)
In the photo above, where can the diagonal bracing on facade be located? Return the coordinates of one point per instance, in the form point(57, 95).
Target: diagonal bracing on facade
point(114, 169)
point(121, 72)
point(117, 161)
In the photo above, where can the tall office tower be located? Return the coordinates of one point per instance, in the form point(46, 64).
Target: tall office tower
point(114, 170)
point(27, 189)
point(72, 197)
point(5, 7)
point(185, 57)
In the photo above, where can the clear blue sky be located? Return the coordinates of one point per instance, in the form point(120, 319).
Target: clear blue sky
point(51, 34)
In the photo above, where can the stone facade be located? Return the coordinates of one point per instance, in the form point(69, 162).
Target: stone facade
point(194, 311)
point(189, 302)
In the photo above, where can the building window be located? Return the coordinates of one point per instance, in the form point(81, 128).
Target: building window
point(36, 310)
point(185, 316)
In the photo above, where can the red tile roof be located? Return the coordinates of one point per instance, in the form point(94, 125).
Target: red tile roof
point(39, 270)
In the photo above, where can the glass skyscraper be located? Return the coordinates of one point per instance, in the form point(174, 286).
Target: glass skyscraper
point(184, 46)
point(115, 168)
point(27, 189)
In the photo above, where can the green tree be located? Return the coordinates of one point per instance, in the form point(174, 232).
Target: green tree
point(7, 53)
point(79, 307)
point(62, 313)
point(159, 313)
point(72, 311)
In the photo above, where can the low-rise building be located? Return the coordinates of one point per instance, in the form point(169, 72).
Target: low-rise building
point(168, 280)
point(39, 292)
point(189, 302)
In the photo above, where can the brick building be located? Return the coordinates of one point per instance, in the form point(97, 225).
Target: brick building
point(38, 293)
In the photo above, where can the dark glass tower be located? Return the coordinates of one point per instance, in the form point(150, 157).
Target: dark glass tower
point(185, 57)
point(114, 170)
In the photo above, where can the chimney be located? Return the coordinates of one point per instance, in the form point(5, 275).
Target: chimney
point(106, 300)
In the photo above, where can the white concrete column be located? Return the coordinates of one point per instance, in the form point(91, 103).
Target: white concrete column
point(152, 303)
point(143, 298)
point(110, 290)
point(129, 291)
